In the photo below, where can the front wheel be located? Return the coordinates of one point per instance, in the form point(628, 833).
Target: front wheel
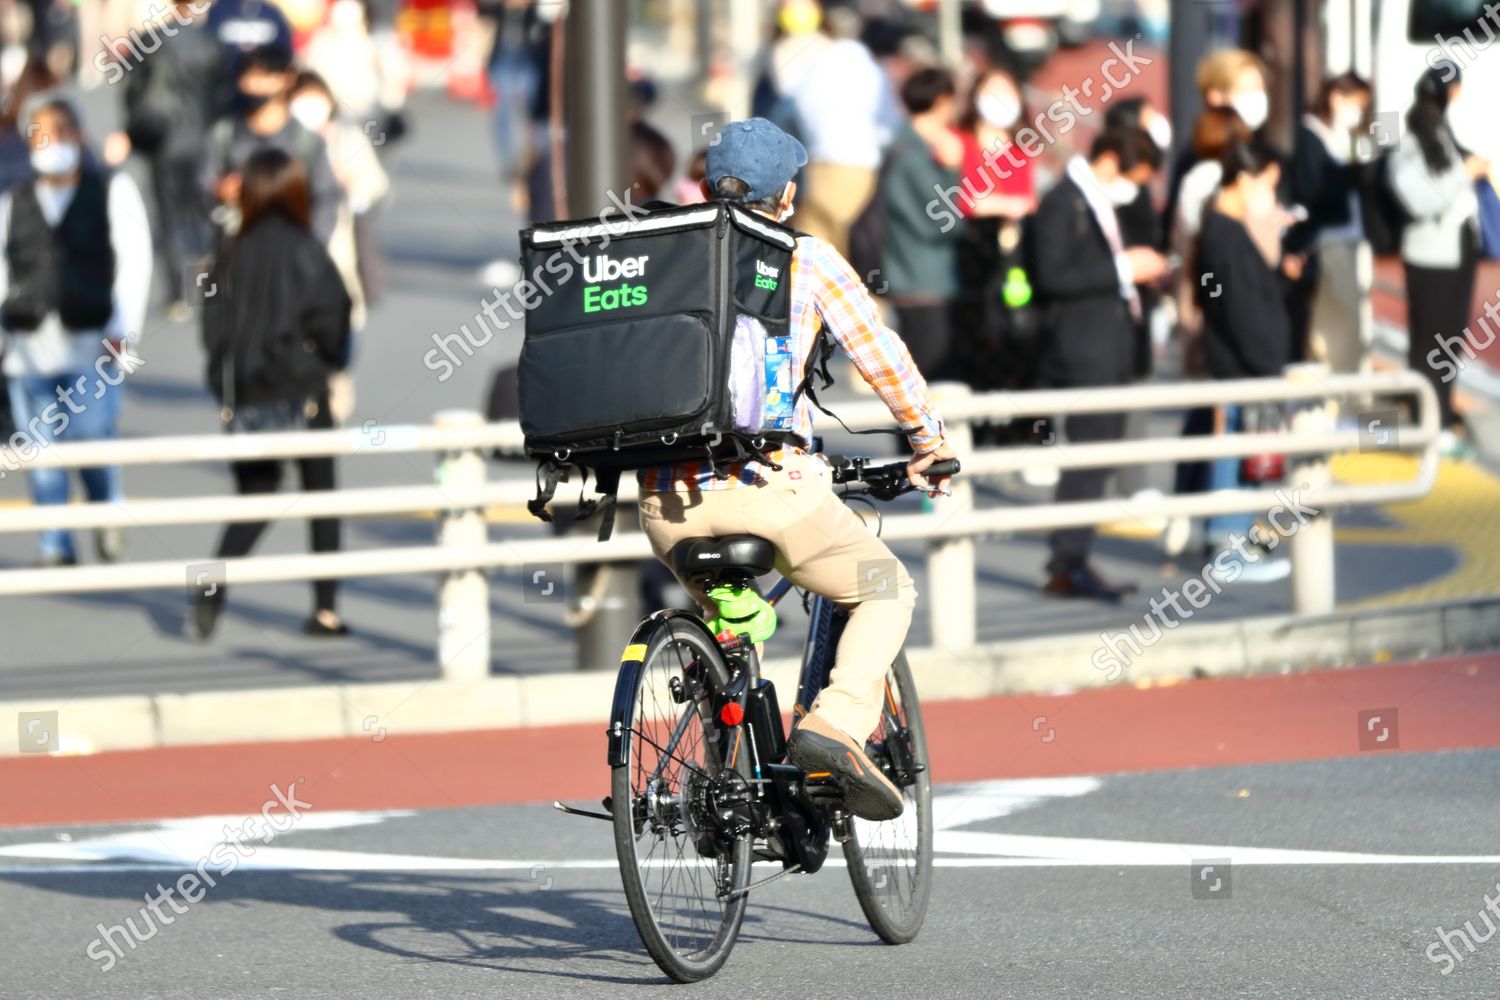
point(890, 863)
point(684, 875)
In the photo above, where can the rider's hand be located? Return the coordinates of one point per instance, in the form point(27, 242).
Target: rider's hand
point(919, 464)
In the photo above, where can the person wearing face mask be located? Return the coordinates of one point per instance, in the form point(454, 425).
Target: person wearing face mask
point(1433, 178)
point(1087, 278)
point(363, 184)
point(1235, 80)
point(1324, 180)
point(789, 500)
point(996, 329)
point(243, 27)
point(263, 119)
point(918, 263)
point(75, 276)
point(1247, 329)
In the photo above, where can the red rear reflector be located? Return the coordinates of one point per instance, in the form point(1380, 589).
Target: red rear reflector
point(732, 714)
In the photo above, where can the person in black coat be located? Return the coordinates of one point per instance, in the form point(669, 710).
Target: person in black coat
point(1247, 327)
point(275, 327)
point(1087, 278)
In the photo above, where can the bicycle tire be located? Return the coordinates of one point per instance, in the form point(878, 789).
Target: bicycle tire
point(890, 863)
point(692, 955)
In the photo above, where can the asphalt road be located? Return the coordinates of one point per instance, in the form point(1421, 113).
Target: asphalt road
point(1339, 874)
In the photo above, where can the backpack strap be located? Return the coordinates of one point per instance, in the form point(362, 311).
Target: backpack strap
point(607, 485)
point(817, 365)
point(548, 474)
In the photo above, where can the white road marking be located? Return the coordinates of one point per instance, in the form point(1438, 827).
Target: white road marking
point(178, 845)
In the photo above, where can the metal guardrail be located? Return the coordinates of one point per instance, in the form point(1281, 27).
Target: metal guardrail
point(461, 494)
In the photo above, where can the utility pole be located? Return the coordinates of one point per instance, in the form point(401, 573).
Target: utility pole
point(605, 606)
point(1192, 38)
point(950, 33)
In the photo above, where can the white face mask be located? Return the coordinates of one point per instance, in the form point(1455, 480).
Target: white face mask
point(56, 158)
point(312, 112)
point(1122, 191)
point(1160, 131)
point(998, 110)
point(786, 213)
point(1347, 117)
point(1253, 107)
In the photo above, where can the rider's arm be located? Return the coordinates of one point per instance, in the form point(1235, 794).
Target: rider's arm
point(879, 355)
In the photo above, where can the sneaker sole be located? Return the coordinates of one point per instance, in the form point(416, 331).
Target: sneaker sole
point(866, 793)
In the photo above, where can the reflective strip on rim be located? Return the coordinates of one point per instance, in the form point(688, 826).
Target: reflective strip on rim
point(622, 227)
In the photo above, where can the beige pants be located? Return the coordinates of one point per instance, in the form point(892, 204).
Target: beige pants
point(835, 196)
point(1336, 337)
point(821, 545)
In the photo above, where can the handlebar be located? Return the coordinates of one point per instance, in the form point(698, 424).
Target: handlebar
point(884, 482)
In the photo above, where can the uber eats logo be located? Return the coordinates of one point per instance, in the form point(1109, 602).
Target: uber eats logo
point(600, 269)
point(766, 276)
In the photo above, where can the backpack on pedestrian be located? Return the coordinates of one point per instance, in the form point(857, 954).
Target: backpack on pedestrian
point(650, 340)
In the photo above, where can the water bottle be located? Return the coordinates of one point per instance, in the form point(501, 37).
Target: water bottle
point(780, 411)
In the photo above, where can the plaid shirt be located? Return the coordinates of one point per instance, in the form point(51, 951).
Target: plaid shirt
point(826, 290)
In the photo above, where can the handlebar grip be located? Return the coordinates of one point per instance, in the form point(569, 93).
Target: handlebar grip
point(947, 467)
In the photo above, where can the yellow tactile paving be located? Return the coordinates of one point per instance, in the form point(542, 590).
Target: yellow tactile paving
point(1461, 513)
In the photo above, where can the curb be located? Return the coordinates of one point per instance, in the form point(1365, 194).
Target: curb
point(1278, 644)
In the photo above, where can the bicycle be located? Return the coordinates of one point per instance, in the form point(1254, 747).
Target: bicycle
point(701, 787)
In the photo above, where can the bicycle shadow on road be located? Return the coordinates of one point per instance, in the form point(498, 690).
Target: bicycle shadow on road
point(519, 924)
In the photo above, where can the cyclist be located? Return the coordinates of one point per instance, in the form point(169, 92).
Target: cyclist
point(821, 545)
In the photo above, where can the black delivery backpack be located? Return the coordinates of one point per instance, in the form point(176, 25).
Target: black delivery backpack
point(650, 340)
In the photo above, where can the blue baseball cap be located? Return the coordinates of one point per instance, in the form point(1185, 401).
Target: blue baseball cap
point(758, 153)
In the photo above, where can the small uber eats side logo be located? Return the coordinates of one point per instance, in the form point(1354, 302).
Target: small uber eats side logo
point(766, 276)
point(602, 268)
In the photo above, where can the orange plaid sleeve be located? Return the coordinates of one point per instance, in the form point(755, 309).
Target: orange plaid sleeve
point(878, 353)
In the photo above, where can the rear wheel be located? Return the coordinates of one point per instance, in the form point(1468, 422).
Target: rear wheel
point(890, 863)
point(684, 877)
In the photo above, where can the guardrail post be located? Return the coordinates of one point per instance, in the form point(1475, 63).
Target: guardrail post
point(950, 599)
point(463, 595)
point(1312, 549)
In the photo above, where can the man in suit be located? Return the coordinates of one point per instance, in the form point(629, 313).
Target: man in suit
point(1087, 277)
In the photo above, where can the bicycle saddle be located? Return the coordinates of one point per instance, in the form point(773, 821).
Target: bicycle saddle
point(751, 553)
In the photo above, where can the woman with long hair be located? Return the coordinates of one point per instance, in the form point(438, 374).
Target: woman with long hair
point(1247, 329)
point(276, 328)
point(1433, 178)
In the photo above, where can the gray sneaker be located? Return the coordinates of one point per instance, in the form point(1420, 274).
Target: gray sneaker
point(109, 544)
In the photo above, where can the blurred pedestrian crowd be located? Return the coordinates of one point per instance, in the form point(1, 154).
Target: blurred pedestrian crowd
point(1116, 252)
point(1109, 254)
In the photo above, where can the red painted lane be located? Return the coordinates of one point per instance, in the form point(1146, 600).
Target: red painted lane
point(1441, 705)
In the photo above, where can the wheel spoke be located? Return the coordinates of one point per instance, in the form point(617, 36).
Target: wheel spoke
point(673, 759)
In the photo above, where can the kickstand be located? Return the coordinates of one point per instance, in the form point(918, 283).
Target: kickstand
point(765, 881)
point(607, 815)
